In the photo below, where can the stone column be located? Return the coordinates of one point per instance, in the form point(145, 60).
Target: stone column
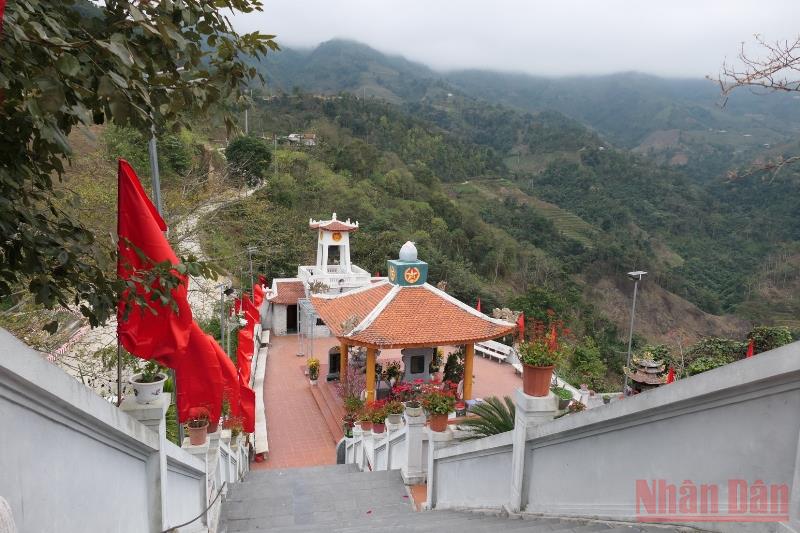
point(370, 374)
point(152, 415)
point(530, 411)
point(413, 469)
point(342, 362)
point(201, 452)
point(469, 355)
point(436, 441)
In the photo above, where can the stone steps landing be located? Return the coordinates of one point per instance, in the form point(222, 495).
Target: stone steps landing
point(340, 499)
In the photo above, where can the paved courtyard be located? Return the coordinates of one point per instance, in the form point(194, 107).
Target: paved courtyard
point(296, 431)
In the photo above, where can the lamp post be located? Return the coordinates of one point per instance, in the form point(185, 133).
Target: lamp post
point(636, 277)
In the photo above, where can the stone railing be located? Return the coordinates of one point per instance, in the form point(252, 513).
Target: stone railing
point(728, 428)
point(377, 451)
point(72, 462)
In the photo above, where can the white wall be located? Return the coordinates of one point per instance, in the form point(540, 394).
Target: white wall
point(72, 462)
point(740, 421)
point(278, 319)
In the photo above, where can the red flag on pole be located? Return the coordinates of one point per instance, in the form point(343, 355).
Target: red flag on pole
point(552, 342)
point(247, 398)
point(478, 306)
point(262, 280)
point(244, 353)
point(671, 375)
point(230, 377)
point(521, 326)
point(258, 295)
point(751, 348)
point(250, 311)
point(377, 274)
point(2, 10)
point(160, 332)
point(199, 377)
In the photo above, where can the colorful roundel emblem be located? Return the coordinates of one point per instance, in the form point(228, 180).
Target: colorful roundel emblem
point(392, 273)
point(336, 236)
point(411, 275)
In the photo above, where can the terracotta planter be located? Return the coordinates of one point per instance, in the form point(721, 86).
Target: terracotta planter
point(438, 423)
point(197, 436)
point(366, 425)
point(378, 427)
point(536, 380)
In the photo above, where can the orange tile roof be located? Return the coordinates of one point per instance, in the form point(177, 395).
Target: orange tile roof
point(395, 317)
point(357, 303)
point(333, 225)
point(288, 292)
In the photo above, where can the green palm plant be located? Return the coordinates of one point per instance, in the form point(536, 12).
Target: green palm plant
point(493, 416)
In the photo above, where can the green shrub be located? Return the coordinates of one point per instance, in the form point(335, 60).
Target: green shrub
point(538, 353)
point(248, 160)
point(704, 364)
point(493, 416)
point(768, 338)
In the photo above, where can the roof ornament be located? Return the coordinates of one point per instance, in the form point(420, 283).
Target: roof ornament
point(408, 252)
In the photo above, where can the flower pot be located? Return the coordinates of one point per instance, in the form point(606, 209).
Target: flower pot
point(378, 427)
point(147, 392)
point(563, 404)
point(438, 423)
point(394, 419)
point(536, 380)
point(366, 425)
point(197, 436)
point(414, 410)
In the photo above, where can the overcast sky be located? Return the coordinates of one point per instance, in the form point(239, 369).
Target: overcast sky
point(557, 37)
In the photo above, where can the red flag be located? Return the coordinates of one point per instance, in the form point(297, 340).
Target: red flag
point(250, 311)
point(671, 375)
point(244, 353)
point(552, 343)
point(199, 377)
point(160, 332)
point(258, 295)
point(2, 10)
point(237, 306)
point(247, 401)
point(478, 307)
point(521, 326)
point(751, 348)
point(262, 280)
point(377, 274)
point(230, 378)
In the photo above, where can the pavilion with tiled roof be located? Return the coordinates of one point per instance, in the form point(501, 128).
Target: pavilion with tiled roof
point(403, 311)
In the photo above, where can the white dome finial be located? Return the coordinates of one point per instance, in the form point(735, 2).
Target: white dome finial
point(408, 252)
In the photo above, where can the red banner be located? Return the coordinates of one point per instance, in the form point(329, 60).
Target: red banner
point(199, 377)
point(160, 332)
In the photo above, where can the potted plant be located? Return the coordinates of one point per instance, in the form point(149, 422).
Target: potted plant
point(197, 425)
point(394, 412)
point(149, 383)
point(438, 404)
point(378, 416)
point(366, 420)
point(564, 397)
point(235, 425)
point(539, 358)
point(313, 370)
point(392, 372)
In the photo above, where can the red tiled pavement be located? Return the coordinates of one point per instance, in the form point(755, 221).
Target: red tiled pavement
point(296, 430)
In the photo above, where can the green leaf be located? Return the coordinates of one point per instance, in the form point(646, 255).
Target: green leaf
point(68, 64)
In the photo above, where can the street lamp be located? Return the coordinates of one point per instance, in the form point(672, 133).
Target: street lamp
point(636, 277)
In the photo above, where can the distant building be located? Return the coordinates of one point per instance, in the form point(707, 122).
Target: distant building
point(306, 139)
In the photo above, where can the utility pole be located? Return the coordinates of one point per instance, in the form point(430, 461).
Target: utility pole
point(250, 251)
point(636, 277)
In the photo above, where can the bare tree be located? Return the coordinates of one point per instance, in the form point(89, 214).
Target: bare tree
point(773, 67)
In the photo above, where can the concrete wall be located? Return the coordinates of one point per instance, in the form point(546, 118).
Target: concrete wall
point(473, 473)
point(278, 321)
point(740, 421)
point(72, 462)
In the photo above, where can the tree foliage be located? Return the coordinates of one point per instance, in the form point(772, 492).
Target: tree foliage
point(492, 417)
point(248, 159)
point(75, 63)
